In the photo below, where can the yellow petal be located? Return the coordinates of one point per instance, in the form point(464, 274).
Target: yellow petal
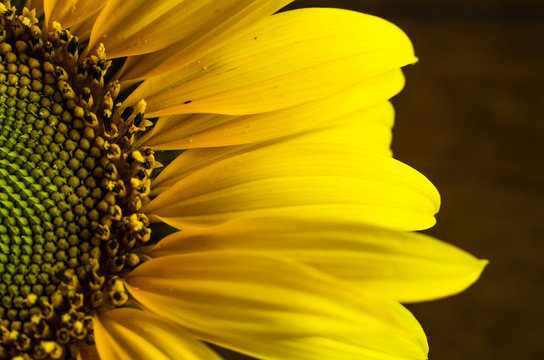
point(347, 111)
point(36, 4)
point(387, 264)
point(287, 59)
point(84, 28)
point(128, 334)
point(70, 12)
point(192, 160)
point(232, 296)
point(378, 347)
point(369, 129)
point(319, 179)
point(208, 33)
point(133, 27)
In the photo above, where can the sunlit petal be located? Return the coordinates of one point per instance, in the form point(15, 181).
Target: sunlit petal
point(319, 179)
point(387, 264)
point(262, 70)
point(356, 112)
point(229, 297)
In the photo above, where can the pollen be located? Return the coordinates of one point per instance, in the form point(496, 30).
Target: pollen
point(71, 189)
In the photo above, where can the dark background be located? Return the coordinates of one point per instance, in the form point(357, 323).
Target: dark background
point(470, 119)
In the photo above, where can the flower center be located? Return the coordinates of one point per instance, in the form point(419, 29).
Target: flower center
point(71, 190)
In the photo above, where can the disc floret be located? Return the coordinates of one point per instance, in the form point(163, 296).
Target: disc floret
point(72, 187)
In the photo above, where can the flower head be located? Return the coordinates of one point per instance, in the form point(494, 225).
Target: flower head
point(287, 219)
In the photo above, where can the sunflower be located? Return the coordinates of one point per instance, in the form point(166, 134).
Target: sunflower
point(179, 173)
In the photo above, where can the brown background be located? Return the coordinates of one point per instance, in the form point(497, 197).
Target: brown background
point(470, 118)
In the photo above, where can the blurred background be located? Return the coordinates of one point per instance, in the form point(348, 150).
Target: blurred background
point(470, 119)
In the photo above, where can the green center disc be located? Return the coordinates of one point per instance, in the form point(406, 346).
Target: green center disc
point(71, 191)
